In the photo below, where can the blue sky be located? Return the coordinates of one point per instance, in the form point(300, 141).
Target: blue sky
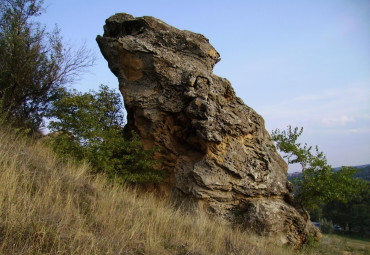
point(304, 63)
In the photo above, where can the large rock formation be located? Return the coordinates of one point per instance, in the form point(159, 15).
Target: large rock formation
point(215, 148)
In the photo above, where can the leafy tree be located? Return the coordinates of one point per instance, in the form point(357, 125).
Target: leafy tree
point(89, 126)
point(318, 183)
point(355, 214)
point(33, 63)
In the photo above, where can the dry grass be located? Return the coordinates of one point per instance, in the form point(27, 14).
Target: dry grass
point(344, 245)
point(50, 207)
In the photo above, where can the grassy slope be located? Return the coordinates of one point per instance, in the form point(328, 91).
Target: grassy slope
point(49, 207)
point(338, 244)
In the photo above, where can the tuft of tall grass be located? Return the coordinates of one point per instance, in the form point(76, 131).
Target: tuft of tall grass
point(52, 207)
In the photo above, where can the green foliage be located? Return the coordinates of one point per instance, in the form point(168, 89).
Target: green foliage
point(318, 183)
point(326, 226)
point(286, 141)
point(33, 63)
point(311, 242)
point(354, 214)
point(89, 126)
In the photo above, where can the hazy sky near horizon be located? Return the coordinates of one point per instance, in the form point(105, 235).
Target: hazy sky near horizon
point(301, 63)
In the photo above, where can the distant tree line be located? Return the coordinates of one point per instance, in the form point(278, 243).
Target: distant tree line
point(363, 173)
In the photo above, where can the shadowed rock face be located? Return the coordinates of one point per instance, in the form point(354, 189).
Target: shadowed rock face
point(215, 148)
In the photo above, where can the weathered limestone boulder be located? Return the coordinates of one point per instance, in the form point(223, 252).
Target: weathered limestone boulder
point(215, 148)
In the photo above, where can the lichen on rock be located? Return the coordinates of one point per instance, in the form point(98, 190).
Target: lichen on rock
point(215, 148)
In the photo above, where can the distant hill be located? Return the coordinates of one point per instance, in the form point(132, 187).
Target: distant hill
point(363, 172)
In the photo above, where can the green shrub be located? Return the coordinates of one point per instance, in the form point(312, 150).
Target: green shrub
point(311, 242)
point(89, 126)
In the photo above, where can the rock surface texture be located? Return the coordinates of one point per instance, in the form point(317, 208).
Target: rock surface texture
point(215, 148)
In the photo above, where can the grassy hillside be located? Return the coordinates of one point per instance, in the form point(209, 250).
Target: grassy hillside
point(51, 207)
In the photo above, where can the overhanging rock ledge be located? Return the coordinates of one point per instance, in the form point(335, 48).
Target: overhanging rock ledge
point(215, 148)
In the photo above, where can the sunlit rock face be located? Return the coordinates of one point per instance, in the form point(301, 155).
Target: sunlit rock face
point(214, 147)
